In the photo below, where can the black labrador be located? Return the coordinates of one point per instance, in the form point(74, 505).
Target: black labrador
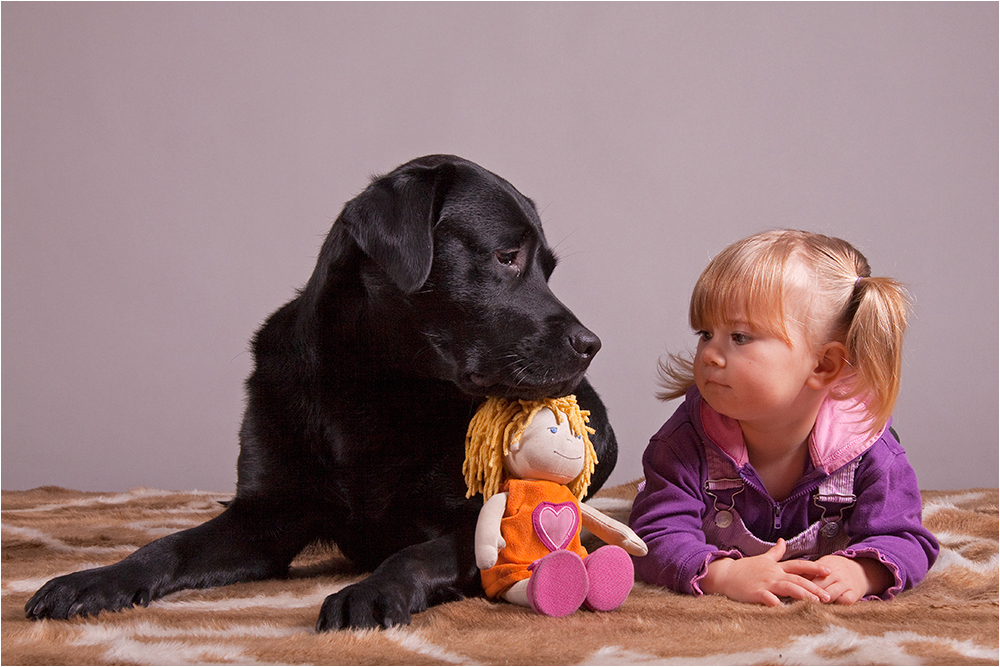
point(430, 293)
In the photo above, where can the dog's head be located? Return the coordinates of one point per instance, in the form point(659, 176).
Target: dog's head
point(465, 252)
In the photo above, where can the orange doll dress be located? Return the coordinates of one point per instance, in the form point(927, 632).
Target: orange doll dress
point(540, 517)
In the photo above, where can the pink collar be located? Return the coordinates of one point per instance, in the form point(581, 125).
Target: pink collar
point(839, 436)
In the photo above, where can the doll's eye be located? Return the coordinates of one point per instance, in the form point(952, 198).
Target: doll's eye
point(579, 437)
point(553, 429)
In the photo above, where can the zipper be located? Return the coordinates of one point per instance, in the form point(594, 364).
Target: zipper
point(778, 507)
point(775, 505)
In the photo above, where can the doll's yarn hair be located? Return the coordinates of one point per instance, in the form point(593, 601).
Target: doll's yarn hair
point(499, 422)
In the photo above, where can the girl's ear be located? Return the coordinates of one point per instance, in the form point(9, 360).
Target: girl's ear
point(830, 364)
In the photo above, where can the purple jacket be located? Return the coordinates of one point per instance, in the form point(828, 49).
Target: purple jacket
point(669, 510)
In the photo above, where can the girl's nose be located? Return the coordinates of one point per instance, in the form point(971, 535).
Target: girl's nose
point(711, 355)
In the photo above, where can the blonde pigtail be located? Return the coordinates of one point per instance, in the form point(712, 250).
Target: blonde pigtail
point(874, 343)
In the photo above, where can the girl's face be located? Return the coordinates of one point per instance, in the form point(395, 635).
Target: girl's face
point(547, 450)
point(753, 376)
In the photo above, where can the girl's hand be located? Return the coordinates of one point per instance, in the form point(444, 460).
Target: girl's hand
point(850, 580)
point(762, 579)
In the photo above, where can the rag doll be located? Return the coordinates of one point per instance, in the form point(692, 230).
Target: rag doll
point(532, 461)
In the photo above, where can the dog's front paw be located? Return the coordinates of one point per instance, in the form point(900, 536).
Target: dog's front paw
point(364, 605)
point(86, 593)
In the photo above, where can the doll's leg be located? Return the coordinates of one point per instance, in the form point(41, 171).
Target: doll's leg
point(611, 577)
point(518, 594)
point(558, 584)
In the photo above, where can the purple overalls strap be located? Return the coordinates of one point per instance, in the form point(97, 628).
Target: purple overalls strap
point(725, 529)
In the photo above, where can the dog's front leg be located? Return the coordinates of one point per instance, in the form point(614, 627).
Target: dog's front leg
point(407, 582)
point(244, 543)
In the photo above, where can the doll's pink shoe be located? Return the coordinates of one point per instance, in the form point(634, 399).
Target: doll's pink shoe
point(558, 583)
point(611, 575)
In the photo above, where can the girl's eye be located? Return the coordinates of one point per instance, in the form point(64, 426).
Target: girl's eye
point(741, 338)
point(553, 429)
point(703, 335)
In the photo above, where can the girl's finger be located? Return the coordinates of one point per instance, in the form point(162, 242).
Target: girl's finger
point(811, 590)
point(804, 568)
point(848, 597)
point(770, 599)
point(787, 589)
point(777, 551)
point(835, 590)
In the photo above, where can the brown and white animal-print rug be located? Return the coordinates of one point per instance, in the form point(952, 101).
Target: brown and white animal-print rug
point(952, 618)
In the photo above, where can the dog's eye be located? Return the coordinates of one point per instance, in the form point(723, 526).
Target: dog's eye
point(507, 257)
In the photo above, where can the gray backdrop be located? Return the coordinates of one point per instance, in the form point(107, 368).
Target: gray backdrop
point(170, 170)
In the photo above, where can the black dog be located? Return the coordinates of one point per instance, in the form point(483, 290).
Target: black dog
point(430, 293)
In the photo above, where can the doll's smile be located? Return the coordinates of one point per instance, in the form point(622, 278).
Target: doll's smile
point(569, 458)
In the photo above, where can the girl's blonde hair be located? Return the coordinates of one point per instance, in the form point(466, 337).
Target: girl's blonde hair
point(773, 278)
point(499, 422)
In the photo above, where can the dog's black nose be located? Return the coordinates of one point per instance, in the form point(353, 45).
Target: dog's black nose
point(584, 341)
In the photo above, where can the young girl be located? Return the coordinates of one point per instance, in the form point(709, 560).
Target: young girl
point(779, 476)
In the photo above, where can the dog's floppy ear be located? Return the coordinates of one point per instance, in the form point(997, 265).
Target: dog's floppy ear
point(393, 222)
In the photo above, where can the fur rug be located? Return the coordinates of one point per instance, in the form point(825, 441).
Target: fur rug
point(952, 618)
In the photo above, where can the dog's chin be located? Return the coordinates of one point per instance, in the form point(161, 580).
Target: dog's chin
point(477, 385)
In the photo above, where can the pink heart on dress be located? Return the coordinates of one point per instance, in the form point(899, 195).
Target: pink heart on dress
point(555, 524)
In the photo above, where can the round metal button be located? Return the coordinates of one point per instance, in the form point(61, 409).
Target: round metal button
point(830, 529)
point(724, 519)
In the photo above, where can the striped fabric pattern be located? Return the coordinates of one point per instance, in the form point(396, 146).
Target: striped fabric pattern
point(952, 618)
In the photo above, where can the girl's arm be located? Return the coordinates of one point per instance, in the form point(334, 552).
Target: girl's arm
point(611, 531)
point(888, 538)
point(667, 512)
point(489, 541)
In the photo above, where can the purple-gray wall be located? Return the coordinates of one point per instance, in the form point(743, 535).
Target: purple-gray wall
point(170, 170)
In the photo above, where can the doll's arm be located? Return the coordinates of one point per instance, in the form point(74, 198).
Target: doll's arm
point(611, 531)
point(489, 541)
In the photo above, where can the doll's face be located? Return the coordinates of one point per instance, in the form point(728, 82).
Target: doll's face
point(547, 451)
